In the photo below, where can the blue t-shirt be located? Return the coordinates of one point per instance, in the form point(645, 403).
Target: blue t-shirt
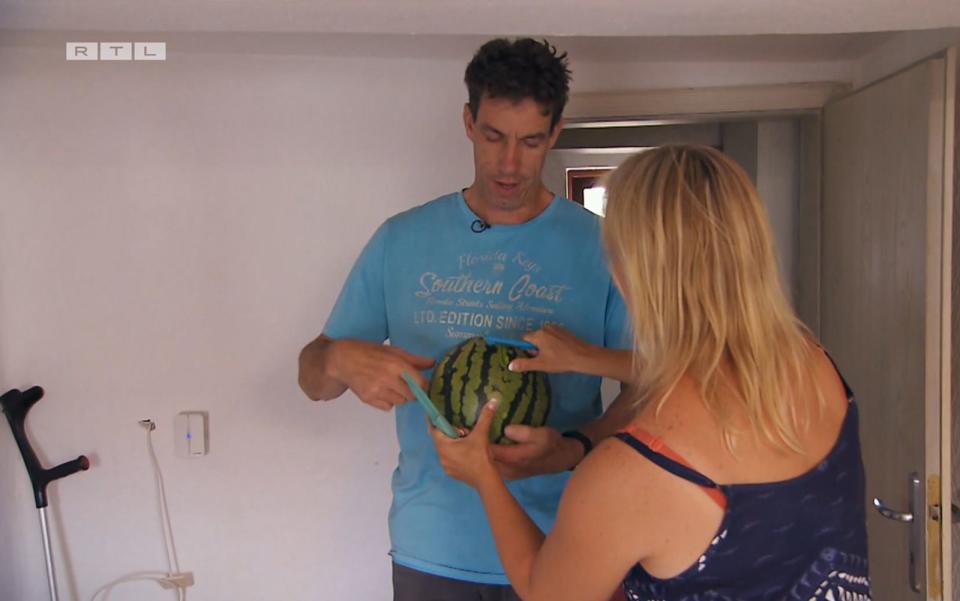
point(426, 282)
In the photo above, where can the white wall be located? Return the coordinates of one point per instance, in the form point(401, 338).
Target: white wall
point(170, 235)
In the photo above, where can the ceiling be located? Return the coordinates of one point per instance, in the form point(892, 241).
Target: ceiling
point(484, 17)
point(774, 48)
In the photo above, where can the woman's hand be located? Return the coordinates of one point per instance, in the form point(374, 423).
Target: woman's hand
point(558, 350)
point(470, 458)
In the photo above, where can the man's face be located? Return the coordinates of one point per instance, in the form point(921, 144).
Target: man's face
point(510, 143)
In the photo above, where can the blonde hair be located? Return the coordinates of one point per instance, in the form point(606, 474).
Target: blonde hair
point(691, 250)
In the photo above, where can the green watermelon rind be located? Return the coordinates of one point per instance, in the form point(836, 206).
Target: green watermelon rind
point(474, 372)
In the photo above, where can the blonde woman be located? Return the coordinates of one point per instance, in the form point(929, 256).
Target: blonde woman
point(740, 477)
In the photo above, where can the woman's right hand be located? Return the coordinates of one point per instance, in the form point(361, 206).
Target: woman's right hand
point(558, 350)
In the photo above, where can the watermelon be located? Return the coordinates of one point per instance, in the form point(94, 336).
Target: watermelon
point(474, 372)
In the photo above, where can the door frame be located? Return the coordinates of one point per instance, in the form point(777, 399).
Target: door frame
point(950, 198)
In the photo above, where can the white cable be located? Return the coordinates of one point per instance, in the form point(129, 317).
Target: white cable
point(172, 564)
point(107, 588)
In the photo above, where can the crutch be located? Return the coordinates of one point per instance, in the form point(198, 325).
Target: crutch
point(15, 405)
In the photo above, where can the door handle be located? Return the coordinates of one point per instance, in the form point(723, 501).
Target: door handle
point(913, 516)
point(890, 514)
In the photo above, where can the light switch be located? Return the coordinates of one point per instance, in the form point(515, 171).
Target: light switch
point(190, 430)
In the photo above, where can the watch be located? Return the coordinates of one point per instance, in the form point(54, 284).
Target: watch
point(580, 437)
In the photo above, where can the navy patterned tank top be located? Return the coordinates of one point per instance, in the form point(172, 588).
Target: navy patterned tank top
point(802, 539)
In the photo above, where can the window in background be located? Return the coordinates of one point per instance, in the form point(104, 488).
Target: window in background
point(586, 186)
point(595, 200)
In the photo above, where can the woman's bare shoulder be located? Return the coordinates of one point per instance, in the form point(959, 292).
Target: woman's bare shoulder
point(680, 417)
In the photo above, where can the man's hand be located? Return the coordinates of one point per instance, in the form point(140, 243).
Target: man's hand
point(372, 371)
point(537, 451)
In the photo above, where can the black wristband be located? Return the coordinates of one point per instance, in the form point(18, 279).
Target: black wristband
point(580, 437)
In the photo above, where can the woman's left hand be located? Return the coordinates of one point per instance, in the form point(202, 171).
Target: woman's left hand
point(558, 350)
point(469, 458)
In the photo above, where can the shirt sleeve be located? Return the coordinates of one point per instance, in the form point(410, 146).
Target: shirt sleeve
point(361, 311)
point(617, 332)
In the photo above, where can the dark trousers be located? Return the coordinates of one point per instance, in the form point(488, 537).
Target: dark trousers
point(411, 585)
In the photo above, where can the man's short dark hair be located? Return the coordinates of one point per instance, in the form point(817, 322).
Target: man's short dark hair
point(519, 69)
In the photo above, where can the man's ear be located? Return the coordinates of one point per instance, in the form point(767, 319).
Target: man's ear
point(555, 133)
point(468, 121)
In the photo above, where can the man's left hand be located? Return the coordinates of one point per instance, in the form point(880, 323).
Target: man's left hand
point(537, 451)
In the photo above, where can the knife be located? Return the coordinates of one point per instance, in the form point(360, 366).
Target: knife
point(428, 406)
point(523, 344)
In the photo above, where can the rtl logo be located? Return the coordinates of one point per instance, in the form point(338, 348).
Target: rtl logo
point(116, 51)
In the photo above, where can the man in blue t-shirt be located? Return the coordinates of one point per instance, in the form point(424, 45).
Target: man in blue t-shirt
point(503, 257)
